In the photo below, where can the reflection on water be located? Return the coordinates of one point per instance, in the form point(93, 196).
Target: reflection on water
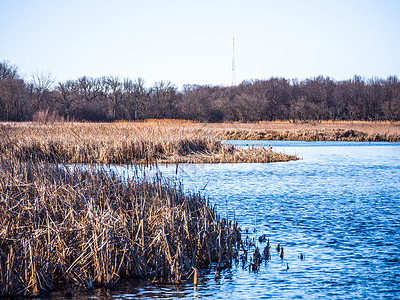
point(339, 206)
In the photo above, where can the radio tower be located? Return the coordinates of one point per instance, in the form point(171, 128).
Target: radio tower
point(233, 63)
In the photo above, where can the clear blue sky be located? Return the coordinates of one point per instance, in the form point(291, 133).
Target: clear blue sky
point(186, 41)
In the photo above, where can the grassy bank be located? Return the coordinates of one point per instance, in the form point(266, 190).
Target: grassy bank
point(310, 131)
point(89, 228)
point(124, 143)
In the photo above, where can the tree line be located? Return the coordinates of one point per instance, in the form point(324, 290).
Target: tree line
point(110, 98)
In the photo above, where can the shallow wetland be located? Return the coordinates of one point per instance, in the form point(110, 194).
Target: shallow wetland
point(335, 212)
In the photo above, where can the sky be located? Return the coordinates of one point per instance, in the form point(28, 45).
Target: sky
point(191, 42)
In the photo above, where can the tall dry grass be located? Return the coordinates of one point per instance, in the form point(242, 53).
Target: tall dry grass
point(313, 131)
point(88, 227)
point(123, 143)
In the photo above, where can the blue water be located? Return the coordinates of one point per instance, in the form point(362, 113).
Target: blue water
point(339, 206)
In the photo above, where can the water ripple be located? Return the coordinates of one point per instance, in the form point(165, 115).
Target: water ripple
point(339, 207)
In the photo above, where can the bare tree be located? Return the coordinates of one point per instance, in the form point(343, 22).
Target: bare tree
point(13, 94)
point(113, 88)
point(164, 98)
point(8, 71)
point(41, 86)
point(135, 94)
point(88, 88)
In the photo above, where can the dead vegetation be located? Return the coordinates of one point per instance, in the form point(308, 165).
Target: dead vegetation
point(308, 135)
point(87, 227)
point(312, 131)
point(124, 143)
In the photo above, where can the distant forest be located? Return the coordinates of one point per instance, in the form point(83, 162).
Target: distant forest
point(109, 99)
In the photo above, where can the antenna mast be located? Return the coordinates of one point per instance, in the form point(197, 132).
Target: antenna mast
point(233, 63)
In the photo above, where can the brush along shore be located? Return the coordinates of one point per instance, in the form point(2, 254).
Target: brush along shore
point(87, 227)
point(307, 135)
point(310, 131)
point(124, 143)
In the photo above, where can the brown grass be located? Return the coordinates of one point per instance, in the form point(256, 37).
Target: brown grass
point(90, 228)
point(124, 143)
point(311, 131)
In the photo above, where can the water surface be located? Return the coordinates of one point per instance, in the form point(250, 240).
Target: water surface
point(339, 206)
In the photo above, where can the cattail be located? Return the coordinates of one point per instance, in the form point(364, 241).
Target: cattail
point(86, 221)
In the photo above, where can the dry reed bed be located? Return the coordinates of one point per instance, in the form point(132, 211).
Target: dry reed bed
point(314, 131)
point(306, 135)
point(124, 143)
point(89, 228)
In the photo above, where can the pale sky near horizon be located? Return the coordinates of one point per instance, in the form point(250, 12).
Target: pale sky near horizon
point(191, 41)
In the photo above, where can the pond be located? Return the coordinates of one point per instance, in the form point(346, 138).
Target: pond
point(338, 207)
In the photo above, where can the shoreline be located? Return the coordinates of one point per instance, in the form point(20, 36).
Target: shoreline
point(312, 131)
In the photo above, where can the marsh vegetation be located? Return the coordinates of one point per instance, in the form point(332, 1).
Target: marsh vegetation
point(124, 143)
point(63, 224)
point(89, 227)
point(309, 131)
